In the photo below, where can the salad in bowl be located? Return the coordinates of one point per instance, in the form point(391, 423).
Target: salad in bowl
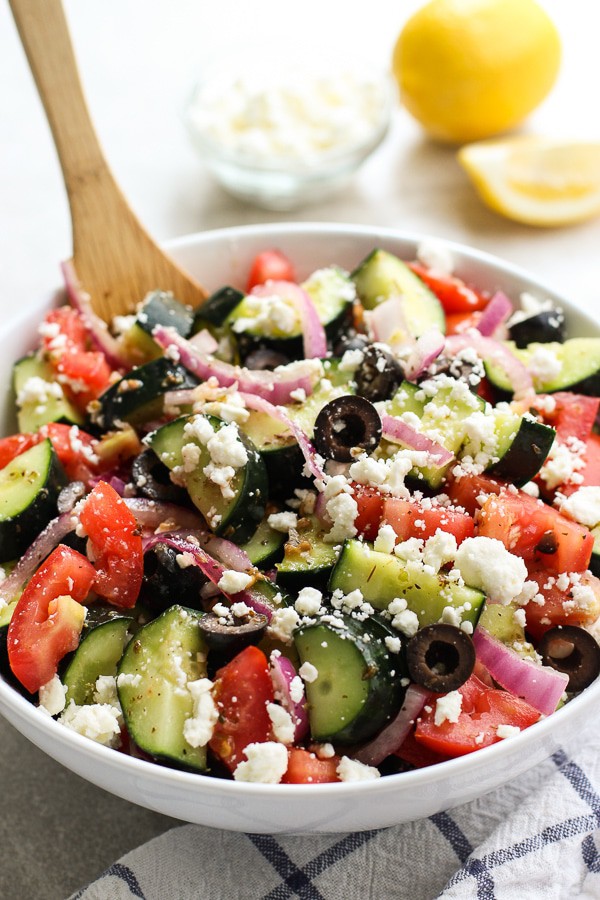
point(337, 525)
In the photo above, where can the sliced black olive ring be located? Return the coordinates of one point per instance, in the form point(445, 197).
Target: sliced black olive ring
point(440, 657)
point(165, 583)
point(571, 650)
point(379, 375)
point(232, 638)
point(152, 478)
point(344, 424)
point(265, 358)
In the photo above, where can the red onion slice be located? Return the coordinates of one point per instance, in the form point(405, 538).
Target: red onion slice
point(276, 386)
point(152, 513)
point(398, 431)
point(495, 314)
point(204, 342)
point(427, 348)
point(540, 686)
point(213, 570)
point(283, 673)
point(314, 339)
point(387, 322)
point(313, 460)
point(43, 545)
point(488, 348)
point(96, 327)
point(392, 736)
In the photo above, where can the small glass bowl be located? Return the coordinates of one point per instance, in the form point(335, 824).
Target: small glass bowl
point(264, 142)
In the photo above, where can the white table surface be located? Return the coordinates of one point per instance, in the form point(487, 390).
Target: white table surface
point(138, 59)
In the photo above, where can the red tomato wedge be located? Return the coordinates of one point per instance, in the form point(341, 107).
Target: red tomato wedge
point(573, 415)
point(74, 448)
point(409, 519)
point(270, 265)
point(83, 373)
point(560, 606)
point(417, 754)
point(370, 510)
point(590, 473)
point(116, 545)
point(465, 491)
point(452, 292)
point(483, 710)
point(242, 690)
point(305, 767)
point(48, 617)
point(531, 529)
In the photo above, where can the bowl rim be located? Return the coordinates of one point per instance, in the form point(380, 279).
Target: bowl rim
point(26, 711)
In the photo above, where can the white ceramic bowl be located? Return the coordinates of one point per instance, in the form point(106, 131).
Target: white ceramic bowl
point(216, 258)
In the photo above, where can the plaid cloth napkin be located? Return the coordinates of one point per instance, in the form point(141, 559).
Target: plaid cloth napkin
point(537, 837)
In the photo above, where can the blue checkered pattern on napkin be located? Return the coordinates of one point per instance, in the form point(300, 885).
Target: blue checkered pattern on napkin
point(537, 837)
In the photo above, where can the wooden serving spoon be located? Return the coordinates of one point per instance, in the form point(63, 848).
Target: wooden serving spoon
point(115, 260)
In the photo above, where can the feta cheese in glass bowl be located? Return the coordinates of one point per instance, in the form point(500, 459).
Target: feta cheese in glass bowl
point(282, 136)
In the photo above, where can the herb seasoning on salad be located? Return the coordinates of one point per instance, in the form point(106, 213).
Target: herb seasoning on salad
point(309, 532)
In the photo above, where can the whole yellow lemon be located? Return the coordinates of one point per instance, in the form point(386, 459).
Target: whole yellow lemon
point(469, 69)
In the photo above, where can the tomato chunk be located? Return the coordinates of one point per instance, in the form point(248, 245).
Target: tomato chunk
point(465, 491)
point(535, 531)
point(83, 373)
point(590, 473)
point(565, 603)
point(409, 519)
point(454, 295)
point(305, 767)
point(48, 617)
point(573, 415)
point(370, 510)
point(242, 690)
point(74, 448)
point(116, 544)
point(270, 265)
point(483, 710)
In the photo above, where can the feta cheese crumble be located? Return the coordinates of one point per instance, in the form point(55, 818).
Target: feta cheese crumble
point(485, 563)
point(265, 764)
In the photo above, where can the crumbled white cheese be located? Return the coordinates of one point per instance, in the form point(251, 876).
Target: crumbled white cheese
point(38, 392)
point(532, 489)
point(198, 728)
point(308, 602)
point(296, 688)
point(283, 623)
point(52, 696)
point(448, 708)
point(439, 549)
point(353, 770)
point(342, 510)
point(507, 731)
point(232, 582)
point(583, 506)
point(184, 560)
point(385, 540)
point(283, 521)
point(105, 690)
point(544, 365)
point(308, 672)
point(485, 563)
point(403, 619)
point(100, 722)
point(284, 729)
point(265, 764)
point(393, 644)
point(436, 257)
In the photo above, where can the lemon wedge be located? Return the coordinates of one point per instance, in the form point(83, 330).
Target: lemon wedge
point(538, 181)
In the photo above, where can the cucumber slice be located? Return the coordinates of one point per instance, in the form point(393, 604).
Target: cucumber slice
point(236, 517)
point(35, 411)
point(382, 275)
point(332, 292)
point(577, 365)
point(382, 577)
point(308, 564)
point(98, 654)
point(158, 308)
point(265, 547)
point(139, 396)
point(216, 308)
point(29, 487)
point(441, 416)
point(523, 445)
point(161, 659)
point(357, 687)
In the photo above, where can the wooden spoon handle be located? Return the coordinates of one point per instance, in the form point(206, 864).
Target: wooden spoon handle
point(45, 36)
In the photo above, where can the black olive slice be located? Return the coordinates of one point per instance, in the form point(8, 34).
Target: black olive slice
point(544, 327)
point(346, 423)
point(234, 637)
point(152, 479)
point(379, 375)
point(351, 341)
point(165, 582)
point(264, 358)
point(457, 367)
point(440, 657)
point(572, 650)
